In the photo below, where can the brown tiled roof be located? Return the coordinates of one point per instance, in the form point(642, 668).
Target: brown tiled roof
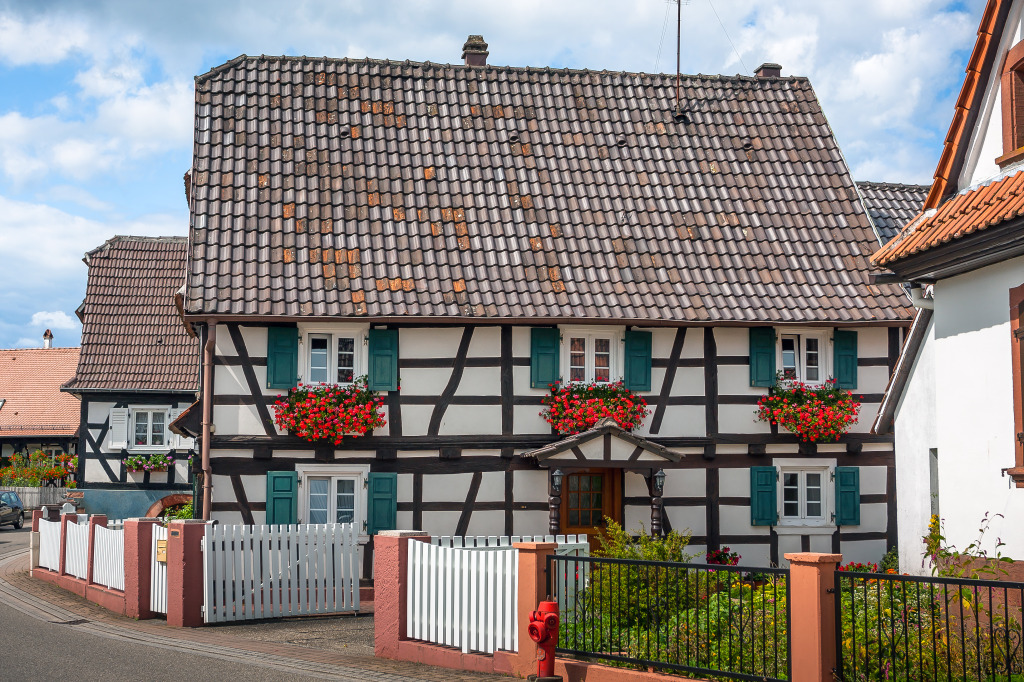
point(355, 187)
point(892, 205)
point(964, 214)
point(132, 336)
point(30, 382)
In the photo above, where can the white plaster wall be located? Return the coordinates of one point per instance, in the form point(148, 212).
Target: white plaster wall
point(237, 420)
point(98, 411)
point(679, 420)
point(741, 418)
point(481, 420)
point(692, 519)
point(486, 523)
point(224, 346)
point(492, 489)
point(486, 343)
point(255, 339)
point(974, 405)
point(479, 381)
point(429, 342)
point(530, 522)
point(424, 380)
point(446, 487)
point(530, 486)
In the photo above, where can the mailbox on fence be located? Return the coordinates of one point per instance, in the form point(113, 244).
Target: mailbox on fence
point(161, 551)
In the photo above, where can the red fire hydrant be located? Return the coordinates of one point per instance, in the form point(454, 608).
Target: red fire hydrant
point(543, 629)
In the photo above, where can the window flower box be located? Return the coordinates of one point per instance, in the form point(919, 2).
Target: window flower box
point(148, 463)
point(329, 412)
point(815, 414)
point(578, 407)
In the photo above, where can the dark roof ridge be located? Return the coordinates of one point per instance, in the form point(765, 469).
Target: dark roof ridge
point(117, 239)
point(894, 185)
point(494, 67)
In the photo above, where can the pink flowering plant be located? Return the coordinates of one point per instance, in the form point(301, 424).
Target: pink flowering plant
point(723, 557)
point(155, 462)
point(330, 412)
point(577, 407)
point(814, 413)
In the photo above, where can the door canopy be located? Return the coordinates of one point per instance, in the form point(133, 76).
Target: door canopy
point(605, 445)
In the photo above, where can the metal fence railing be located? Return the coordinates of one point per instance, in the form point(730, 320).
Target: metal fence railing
point(719, 621)
point(899, 627)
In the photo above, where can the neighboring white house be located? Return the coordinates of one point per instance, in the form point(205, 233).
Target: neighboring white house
point(955, 398)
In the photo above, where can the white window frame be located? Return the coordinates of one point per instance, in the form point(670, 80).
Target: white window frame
point(825, 467)
point(149, 409)
point(824, 337)
point(358, 472)
point(360, 334)
point(617, 336)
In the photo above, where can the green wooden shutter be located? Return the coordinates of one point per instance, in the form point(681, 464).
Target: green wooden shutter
point(383, 360)
point(763, 499)
point(638, 361)
point(544, 351)
point(382, 502)
point(282, 357)
point(847, 496)
point(282, 497)
point(844, 358)
point(762, 356)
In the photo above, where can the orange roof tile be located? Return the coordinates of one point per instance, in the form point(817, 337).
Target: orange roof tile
point(30, 382)
point(962, 215)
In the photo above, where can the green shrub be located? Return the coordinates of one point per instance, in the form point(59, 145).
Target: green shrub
point(891, 561)
point(184, 512)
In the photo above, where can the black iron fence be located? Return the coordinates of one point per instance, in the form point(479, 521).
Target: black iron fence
point(897, 627)
point(721, 621)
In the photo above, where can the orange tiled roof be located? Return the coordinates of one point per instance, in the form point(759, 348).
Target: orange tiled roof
point(962, 215)
point(30, 382)
point(991, 25)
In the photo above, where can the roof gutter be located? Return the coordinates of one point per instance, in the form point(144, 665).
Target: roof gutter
point(207, 425)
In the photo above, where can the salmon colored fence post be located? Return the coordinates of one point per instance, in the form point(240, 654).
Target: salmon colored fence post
point(812, 615)
point(94, 520)
point(185, 583)
point(533, 589)
point(390, 588)
point(33, 540)
point(65, 519)
point(138, 548)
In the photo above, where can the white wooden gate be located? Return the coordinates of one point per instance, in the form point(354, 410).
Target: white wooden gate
point(49, 544)
point(76, 553)
point(254, 572)
point(463, 597)
point(108, 557)
point(158, 573)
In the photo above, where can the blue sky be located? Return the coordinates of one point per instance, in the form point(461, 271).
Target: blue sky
point(96, 104)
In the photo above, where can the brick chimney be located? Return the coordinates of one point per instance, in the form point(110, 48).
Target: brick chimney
point(47, 339)
point(768, 70)
point(475, 51)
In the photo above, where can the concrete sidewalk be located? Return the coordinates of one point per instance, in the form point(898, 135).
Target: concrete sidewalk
point(326, 648)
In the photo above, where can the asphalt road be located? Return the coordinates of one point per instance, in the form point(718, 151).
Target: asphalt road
point(33, 649)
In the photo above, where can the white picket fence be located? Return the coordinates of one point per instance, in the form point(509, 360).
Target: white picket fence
point(76, 551)
point(463, 597)
point(49, 544)
point(568, 545)
point(254, 572)
point(108, 556)
point(158, 574)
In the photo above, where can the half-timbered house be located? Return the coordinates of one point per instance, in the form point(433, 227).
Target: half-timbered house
point(137, 372)
point(466, 235)
point(955, 402)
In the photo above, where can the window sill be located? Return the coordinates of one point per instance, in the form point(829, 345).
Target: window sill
point(1010, 158)
point(805, 530)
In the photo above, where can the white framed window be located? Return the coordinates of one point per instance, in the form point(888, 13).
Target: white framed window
point(801, 354)
point(333, 494)
point(592, 354)
point(149, 429)
point(332, 354)
point(805, 492)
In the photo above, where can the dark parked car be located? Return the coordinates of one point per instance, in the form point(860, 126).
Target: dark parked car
point(12, 511)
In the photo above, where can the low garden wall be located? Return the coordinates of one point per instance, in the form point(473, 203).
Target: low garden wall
point(37, 497)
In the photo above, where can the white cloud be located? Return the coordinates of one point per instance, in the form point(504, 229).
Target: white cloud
point(76, 195)
point(25, 342)
point(43, 41)
point(56, 319)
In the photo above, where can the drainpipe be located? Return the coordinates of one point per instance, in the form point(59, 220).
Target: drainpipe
point(211, 342)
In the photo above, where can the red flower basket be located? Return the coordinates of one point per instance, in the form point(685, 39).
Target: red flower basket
point(329, 412)
point(578, 407)
point(816, 414)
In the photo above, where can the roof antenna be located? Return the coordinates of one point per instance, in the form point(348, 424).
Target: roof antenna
point(679, 114)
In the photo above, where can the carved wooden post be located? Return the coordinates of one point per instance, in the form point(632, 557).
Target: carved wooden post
point(657, 487)
point(555, 503)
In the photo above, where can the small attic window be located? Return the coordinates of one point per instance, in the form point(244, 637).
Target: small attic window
point(1012, 86)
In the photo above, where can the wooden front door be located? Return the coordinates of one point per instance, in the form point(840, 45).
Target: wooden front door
point(588, 497)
